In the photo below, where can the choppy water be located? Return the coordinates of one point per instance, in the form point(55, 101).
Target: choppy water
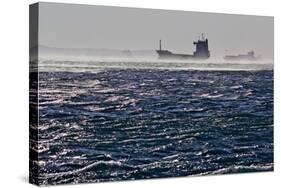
point(138, 124)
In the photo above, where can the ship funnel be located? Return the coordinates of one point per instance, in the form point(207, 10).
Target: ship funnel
point(160, 45)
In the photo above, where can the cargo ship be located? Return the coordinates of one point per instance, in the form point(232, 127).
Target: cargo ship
point(201, 51)
point(250, 56)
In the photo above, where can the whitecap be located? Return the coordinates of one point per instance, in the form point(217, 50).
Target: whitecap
point(58, 174)
point(171, 156)
point(207, 95)
point(236, 87)
point(233, 169)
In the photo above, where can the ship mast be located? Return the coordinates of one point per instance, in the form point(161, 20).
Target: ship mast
point(202, 36)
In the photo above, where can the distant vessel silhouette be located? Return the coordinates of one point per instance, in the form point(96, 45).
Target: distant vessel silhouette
point(249, 56)
point(201, 52)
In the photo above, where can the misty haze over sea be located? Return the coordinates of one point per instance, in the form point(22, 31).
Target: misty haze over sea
point(59, 59)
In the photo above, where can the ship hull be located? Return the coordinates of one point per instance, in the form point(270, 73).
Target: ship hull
point(165, 54)
point(237, 58)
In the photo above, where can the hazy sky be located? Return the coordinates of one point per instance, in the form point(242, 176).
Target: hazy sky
point(88, 26)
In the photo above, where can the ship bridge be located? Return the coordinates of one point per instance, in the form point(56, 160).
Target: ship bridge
point(202, 48)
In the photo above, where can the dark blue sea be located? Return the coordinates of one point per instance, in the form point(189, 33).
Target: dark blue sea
point(139, 124)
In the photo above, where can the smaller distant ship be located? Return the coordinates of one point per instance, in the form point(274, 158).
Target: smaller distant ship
point(249, 56)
